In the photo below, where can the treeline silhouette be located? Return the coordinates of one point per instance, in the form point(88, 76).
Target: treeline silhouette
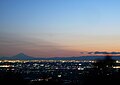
point(103, 73)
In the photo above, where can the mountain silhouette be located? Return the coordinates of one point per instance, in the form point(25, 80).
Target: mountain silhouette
point(21, 56)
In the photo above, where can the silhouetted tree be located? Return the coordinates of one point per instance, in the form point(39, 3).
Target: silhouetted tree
point(102, 73)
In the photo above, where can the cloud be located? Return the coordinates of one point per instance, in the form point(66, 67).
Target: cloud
point(103, 52)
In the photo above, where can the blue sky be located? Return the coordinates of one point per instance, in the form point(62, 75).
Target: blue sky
point(59, 27)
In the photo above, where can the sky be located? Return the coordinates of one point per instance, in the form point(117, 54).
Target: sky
point(50, 28)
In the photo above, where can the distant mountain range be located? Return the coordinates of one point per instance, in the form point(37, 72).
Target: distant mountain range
point(22, 56)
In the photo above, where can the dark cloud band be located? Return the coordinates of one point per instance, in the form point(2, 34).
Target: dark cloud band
point(100, 52)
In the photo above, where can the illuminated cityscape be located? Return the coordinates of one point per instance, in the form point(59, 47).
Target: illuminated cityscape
point(56, 72)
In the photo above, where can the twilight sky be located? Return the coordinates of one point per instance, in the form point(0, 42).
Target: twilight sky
point(52, 28)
